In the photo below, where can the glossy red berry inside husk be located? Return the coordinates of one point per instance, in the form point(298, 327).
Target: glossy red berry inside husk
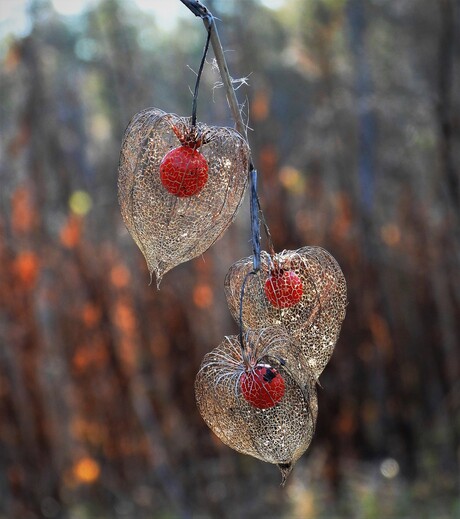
point(283, 289)
point(263, 387)
point(184, 171)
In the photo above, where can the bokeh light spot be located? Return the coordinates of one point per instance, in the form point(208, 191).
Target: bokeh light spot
point(391, 234)
point(389, 468)
point(66, 8)
point(86, 49)
point(26, 266)
point(120, 276)
point(291, 179)
point(203, 296)
point(80, 203)
point(86, 470)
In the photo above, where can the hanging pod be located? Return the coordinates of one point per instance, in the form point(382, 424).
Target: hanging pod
point(179, 185)
point(303, 290)
point(260, 400)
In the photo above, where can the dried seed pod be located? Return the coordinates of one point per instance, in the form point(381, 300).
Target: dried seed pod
point(314, 319)
point(172, 224)
point(279, 432)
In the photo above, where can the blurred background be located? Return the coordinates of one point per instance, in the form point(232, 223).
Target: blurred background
point(354, 110)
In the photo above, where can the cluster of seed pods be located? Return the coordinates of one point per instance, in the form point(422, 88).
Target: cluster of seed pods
point(257, 391)
point(180, 186)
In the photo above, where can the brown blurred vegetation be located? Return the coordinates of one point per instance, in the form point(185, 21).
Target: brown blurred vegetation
point(355, 109)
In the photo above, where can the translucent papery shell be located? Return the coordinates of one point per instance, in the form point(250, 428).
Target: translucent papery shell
point(278, 435)
point(170, 230)
point(315, 321)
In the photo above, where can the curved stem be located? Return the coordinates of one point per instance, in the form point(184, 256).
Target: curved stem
point(268, 235)
point(198, 77)
point(198, 9)
point(241, 337)
point(255, 220)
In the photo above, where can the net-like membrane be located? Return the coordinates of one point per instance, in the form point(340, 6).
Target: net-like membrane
point(168, 229)
point(279, 434)
point(314, 321)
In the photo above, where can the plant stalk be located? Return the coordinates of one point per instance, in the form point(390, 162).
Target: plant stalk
point(198, 9)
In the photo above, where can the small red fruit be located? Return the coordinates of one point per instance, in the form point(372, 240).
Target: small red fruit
point(263, 387)
point(184, 171)
point(283, 289)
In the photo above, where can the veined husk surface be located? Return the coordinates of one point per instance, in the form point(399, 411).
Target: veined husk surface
point(170, 230)
point(314, 322)
point(278, 435)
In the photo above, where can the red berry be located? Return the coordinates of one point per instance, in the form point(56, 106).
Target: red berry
point(184, 171)
point(263, 387)
point(283, 289)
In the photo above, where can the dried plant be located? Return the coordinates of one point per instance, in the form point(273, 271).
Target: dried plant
point(279, 433)
point(170, 229)
point(312, 320)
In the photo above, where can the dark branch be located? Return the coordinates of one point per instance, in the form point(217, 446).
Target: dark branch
point(255, 220)
point(244, 353)
point(198, 76)
point(197, 8)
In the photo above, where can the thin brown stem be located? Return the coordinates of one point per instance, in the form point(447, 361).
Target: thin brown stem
point(198, 9)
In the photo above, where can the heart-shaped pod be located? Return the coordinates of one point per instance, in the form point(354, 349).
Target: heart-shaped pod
point(278, 433)
point(170, 229)
point(314, 318)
